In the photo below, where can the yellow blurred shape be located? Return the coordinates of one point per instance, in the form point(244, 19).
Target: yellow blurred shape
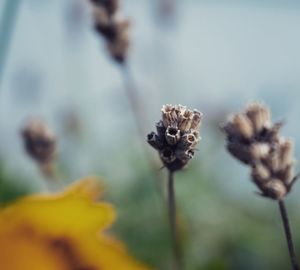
point(62, 231)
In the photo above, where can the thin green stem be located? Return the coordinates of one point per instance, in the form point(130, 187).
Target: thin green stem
point(172, 220)
point(288, 235)
point(7, 23)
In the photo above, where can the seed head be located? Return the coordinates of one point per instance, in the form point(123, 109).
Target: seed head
point(114, 28)
point(255, 141)
point(177, 135)
point(39, 141)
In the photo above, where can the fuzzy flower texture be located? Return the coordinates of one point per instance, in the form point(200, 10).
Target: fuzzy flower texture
point(253, 139)
point(177, 135)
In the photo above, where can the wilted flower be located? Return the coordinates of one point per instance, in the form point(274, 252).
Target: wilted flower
point(114, 28)
point(177, 135)
point(40, 143)
point(62, 232)
point(39, 140)
point(255, 141)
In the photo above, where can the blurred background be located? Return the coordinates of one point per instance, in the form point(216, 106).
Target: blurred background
point(211, 55)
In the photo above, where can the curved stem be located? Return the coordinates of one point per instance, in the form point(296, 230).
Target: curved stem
point(172, 220)
point(288, 235)
point(7, 23)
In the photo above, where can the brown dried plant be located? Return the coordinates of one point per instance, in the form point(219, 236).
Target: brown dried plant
point(253, 139)
point(109, 24)
point(40, 144)
point(177, 136)
point(112, 27)
point(175, 140)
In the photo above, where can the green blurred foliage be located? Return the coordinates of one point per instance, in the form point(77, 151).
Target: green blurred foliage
point(218, 231)
point(10, 187)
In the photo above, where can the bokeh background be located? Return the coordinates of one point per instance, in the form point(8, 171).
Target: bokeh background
point(211, 55)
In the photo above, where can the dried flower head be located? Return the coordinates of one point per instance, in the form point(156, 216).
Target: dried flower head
point(112, 27)
point(39, 141)
point(255, 141)
point(177, 135)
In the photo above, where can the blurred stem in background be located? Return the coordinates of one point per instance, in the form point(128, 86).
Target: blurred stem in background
point(167, 10)
point(288, 234)
point(114, 30)
point(173, 224)
point(139, 116)
point(7, 24)
point(133, 99)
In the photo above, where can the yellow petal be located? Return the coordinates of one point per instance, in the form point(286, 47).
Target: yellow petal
point(89, 187)
point(61, 232)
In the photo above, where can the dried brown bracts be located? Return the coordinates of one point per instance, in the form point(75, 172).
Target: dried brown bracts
point(39, 141)
point(112, 27)
point(176, 136)
point(255, 141)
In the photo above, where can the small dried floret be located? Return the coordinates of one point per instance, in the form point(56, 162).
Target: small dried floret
point(259, 115)
point(112, 27)
point(172, 135)
point(110, 5)
point(255, 141)
point(39, 141)
point(177, 135)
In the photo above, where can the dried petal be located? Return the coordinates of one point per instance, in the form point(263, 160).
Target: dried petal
point(196, 121)
point(242, 126)
point(185, 120)
point(259, 115)
point(259, 144)
point(259, 151)
point(260, 174)
point(172, 135)
point(275, 189)
point(286, 153)
point(240, 151)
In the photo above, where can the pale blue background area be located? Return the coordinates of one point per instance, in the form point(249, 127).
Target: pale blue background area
point(215, 56)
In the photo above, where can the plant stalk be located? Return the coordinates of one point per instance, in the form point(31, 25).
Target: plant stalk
point(139, 118)
point(7, 24)
point(133, 99)
point(288, 235)
point(172, 220)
